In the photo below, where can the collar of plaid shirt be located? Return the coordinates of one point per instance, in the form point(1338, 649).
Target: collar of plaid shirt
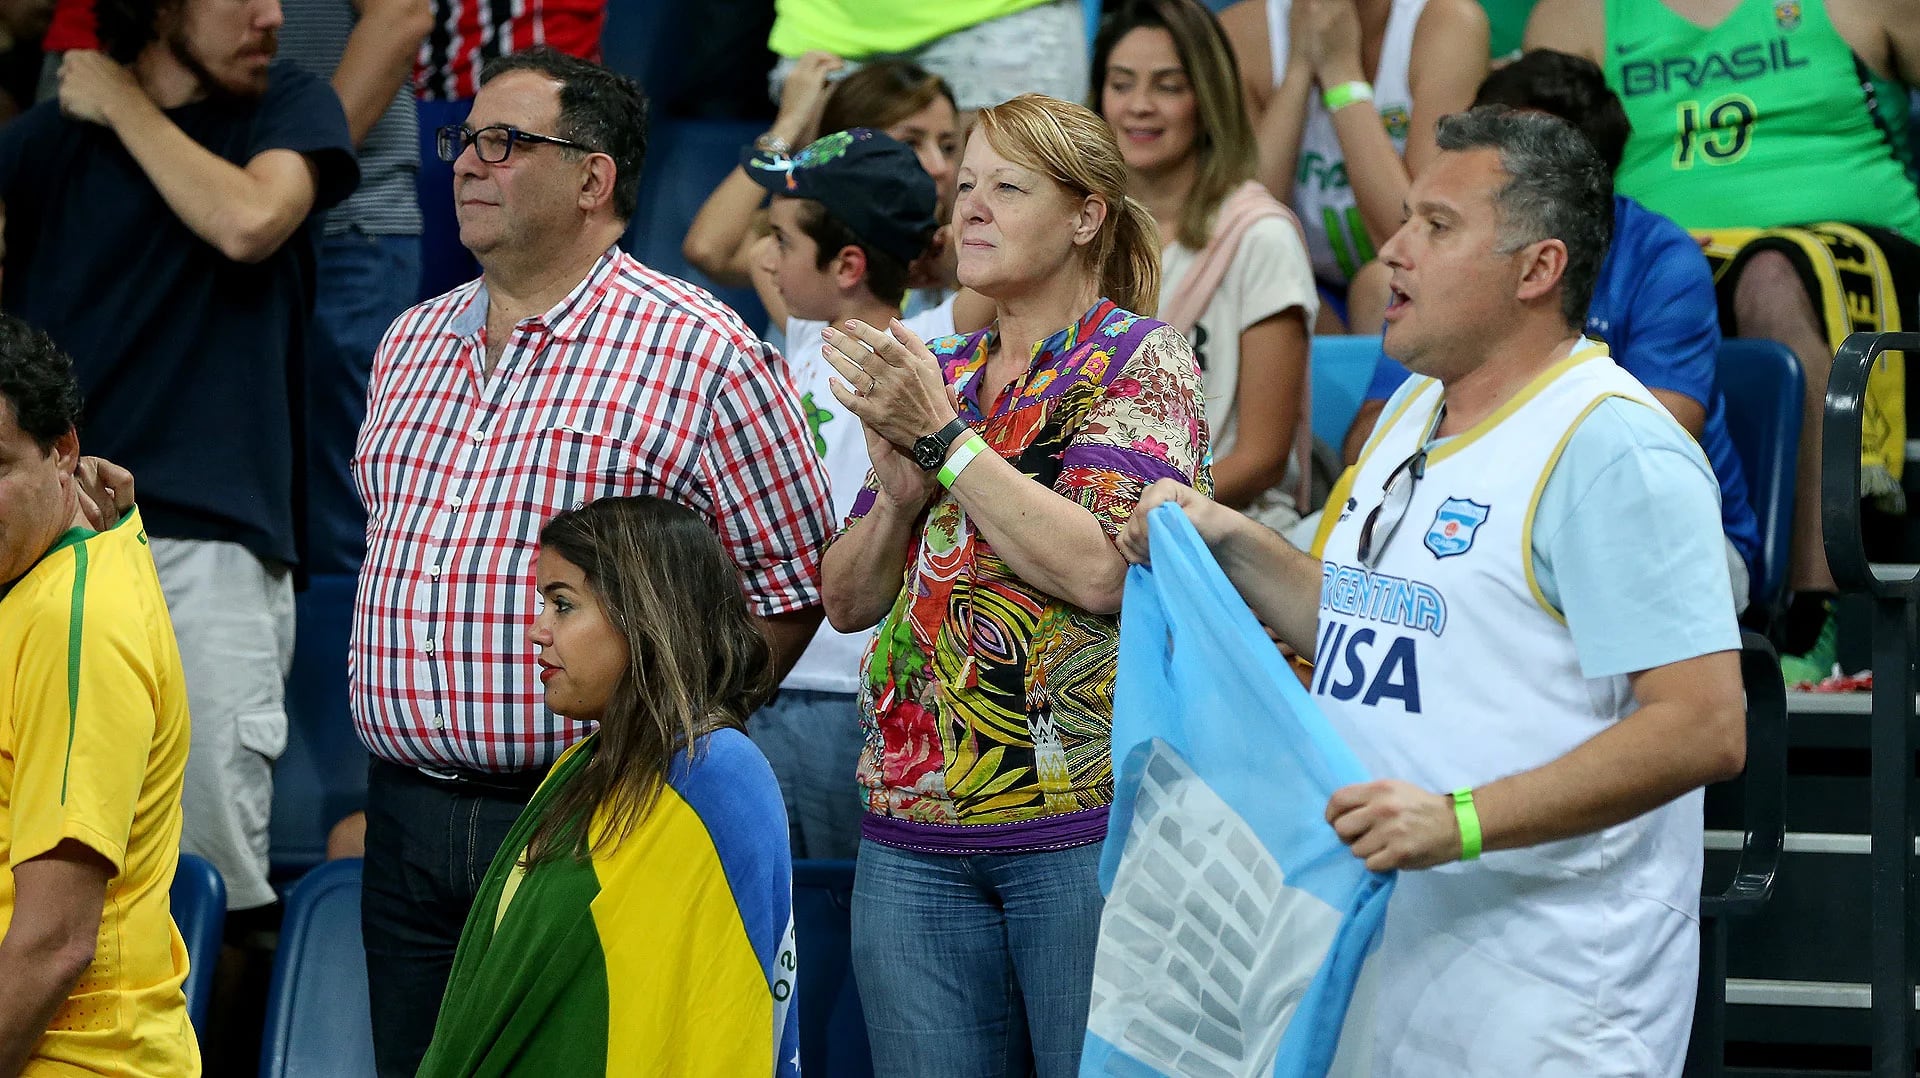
point(564, 321)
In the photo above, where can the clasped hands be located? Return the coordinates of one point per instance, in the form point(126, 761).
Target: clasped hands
point(1324, 37)
point(893, 384)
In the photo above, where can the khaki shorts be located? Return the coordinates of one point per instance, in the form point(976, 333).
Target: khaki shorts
point(233, 616)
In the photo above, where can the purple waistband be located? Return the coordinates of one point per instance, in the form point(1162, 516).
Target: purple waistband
point(1027, 836)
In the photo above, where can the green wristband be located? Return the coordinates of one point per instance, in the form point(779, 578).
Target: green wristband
point(970, 447)
point(1469, 820)
point(1339, 97)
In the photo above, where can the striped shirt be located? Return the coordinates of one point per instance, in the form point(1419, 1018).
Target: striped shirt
point(635, 383)
point(314, 36)
point(468, 33)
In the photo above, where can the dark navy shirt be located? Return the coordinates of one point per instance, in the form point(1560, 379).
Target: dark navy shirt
point(1655, 308)
point(186, 358)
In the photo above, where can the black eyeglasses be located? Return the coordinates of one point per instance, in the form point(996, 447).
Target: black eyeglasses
point(1395, 497)
point(495, 143)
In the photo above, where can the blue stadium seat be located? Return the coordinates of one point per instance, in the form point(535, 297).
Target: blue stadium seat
point(1342, 369)
point(322, 776)
point(317, 1012)
point(199, 901)
point(833, 1032)
point(1763, 386)
point(686, 160)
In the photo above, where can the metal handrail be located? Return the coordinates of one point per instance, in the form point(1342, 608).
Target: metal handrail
point(1895, 594)
point(1840, 443)
point(1763, 816)
point(1764, 782)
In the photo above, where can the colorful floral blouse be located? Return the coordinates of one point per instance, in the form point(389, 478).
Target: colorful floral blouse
point(988, 703)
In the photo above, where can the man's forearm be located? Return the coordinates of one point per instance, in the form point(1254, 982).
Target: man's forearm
point(788, 636)
point(35, 986)
point(1280, 582)
point(378, 59)
point(1689, 731)
point(58, 900)
point(1633, 767)
point(221, 202)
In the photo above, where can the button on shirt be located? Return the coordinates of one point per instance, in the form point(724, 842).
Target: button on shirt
point(636, 383)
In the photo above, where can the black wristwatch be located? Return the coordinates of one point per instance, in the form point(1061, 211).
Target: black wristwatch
point(930, 450)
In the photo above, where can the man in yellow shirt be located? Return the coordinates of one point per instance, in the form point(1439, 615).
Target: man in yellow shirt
point(93, 749)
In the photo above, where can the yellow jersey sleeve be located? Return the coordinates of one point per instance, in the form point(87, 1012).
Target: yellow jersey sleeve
point(84, 707)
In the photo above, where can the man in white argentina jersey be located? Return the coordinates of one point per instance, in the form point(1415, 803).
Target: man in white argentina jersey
point(1520, 622)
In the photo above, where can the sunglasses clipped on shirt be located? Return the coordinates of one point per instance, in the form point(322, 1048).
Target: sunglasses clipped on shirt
point(1396, 494)
point(494, 143)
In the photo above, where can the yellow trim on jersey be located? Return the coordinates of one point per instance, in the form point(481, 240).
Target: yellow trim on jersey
point(1500, 414)
point(1343, 488)
point(1330, 511)
point(1540, 487)
point(1381, 428)
point(1533, 389)
point(1460, 441)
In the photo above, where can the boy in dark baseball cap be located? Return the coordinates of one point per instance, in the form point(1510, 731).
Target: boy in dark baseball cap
point(850, 213)
point(863, 205)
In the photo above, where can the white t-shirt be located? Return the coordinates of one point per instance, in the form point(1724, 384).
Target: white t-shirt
point(1270, 274)
point(831, 662)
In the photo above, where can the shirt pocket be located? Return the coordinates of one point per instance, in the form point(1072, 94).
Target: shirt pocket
point(565, 468)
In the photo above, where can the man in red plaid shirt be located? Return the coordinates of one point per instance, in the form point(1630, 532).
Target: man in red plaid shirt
point(567, 372)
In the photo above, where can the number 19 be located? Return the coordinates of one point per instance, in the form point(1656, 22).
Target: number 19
point(1723, 139)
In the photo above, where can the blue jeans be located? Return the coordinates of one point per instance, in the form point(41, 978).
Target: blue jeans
point(446, 264)
point(812, 739)
point(364, 283)
point(976, 965)
point(428, 847)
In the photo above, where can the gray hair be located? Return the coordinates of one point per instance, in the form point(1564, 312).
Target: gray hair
point(1559, 189)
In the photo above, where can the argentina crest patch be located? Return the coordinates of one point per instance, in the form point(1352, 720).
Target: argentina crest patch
point(1454, 525)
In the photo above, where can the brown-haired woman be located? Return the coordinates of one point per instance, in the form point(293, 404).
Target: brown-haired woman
point(1237, 280)
point(1005, 463)
point(895, 97)
point(637, 918)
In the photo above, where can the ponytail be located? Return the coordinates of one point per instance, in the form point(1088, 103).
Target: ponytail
point(1130, 273)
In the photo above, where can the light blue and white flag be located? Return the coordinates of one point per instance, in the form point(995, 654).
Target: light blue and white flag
point(1237, 925)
